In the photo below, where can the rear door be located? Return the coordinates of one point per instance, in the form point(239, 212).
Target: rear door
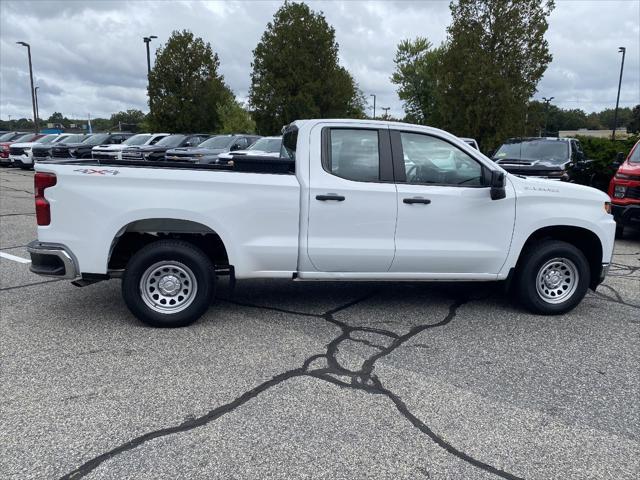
point(352, 201)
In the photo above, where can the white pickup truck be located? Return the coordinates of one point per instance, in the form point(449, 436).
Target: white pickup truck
point(347, 200)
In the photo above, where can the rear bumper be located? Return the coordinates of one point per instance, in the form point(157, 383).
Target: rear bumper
point(625, 214)
point(52, 260)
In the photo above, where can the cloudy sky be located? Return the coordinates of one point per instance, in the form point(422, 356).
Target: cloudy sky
point(88, 56)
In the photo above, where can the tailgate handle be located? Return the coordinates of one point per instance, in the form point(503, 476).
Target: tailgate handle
point(332, 196)
point(413, 200)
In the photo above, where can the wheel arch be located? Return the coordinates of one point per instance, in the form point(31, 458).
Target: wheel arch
point(582, 238)
point(139, 233)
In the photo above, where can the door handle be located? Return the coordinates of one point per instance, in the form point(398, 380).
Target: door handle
point(410, 201)
point(333, 196)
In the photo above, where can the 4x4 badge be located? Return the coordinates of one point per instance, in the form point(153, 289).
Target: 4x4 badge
point(96, 171)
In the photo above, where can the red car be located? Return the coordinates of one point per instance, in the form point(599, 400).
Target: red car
point(14, 137)
point(624, 190)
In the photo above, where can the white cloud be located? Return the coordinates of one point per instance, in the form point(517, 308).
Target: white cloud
point(89, 56)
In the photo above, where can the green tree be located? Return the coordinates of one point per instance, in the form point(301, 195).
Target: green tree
point(296, 72)
point(185, 88)
point(493, 59)
point(57, 117)
point(235, 119)
point(416, 74)
point(607, 117)
point(128, 119)
point(633, 125)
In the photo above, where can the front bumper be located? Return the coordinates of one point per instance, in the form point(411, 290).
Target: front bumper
point(21, 160)
point(52, 260)
point(625, 214)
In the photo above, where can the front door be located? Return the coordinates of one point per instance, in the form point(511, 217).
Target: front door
point(352, 202)
point(447, 222)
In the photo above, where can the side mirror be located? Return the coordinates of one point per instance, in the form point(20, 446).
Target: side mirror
point(618, 161)
point(498, 190)
point(234, 147)
point(188, 144)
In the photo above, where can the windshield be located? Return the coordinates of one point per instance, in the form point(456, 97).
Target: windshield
point(47, 138)
point(78, 138)
point(25, 138)
point(217, 142)
point(7, 136)
point(549, 150)
point(635, 156)
point(96, 139)
point(171, 141)
point(269, 145)
point(139, 139)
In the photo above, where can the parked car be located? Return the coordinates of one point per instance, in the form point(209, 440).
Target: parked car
point(347, 207)
point(83, 150)
point(42, 152)
point(624, 190)
point(265, 146)
point(155, 153)
point(8, 136)
point(470, 141)
point(209, 150)
point(21, 154)
point(115, 151)
point(5, 146)
point(545, 157)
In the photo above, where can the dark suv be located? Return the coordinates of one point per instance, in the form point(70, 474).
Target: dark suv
point(208, 151)
point(545, 157)
point(83, 150)
point(42, 152)
point(154, 153)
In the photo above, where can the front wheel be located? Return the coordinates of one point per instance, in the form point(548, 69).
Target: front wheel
point(169, 283)
point(552, 278)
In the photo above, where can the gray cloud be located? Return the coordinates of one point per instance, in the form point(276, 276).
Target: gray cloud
point(89, 56)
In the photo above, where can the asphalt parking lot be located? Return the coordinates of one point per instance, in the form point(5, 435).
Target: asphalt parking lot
point(314, 380)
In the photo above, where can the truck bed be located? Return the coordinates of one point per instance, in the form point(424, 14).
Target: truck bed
point(244, 163)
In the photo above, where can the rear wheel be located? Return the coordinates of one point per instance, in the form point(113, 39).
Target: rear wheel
point(169, 283)
point(553, 277)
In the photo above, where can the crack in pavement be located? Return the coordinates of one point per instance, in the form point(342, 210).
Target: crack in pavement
point(616, 298)
point(15, 214)
point(30, 284)
point(363, 379)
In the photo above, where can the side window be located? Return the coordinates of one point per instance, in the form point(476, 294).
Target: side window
point(242, 143)
point(429, 160)
point(156, 140)
point(354, 154)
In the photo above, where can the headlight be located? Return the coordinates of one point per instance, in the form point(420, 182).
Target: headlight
point(622, 176)
point(27, 150)
point(619, 191)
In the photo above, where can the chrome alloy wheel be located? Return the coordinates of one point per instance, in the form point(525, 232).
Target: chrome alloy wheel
point(168, 287)
point(557, 280)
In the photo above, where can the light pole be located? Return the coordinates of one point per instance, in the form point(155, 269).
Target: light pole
point(374, 105)
point(623, 50)
point(547, 101)
point(147, 40)
point(35, 91)
point(33, 97)
point(386, 112)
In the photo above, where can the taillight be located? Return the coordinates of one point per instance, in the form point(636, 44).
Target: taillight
point(42, 181)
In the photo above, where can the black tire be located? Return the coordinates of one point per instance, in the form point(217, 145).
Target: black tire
point(26, 167)
point(183, 268)
point(562, 261)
